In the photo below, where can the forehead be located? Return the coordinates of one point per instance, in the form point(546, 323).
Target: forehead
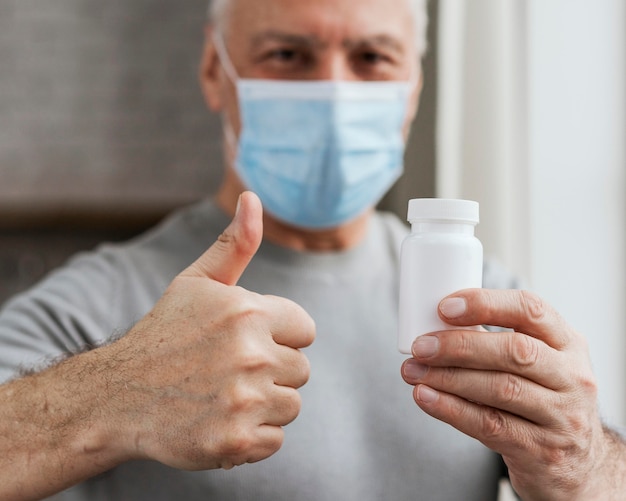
point(326, 19)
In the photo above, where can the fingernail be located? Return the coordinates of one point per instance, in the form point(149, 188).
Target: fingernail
point(426, 394)
point(453, 307)
point(425, 346)
point(414, 370)
point(238, 205)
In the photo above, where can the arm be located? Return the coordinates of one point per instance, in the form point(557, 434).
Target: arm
point(166, 391)
point(53, 429)
point(529, 394)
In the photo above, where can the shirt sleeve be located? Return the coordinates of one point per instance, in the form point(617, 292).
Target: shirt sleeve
point(73, 309)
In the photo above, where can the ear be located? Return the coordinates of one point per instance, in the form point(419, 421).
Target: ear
point(210, 72)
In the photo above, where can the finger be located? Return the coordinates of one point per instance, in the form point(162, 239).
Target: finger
point(506, 351)
point(497, 429)
point(291, 325)
point(508, 392)
point(285, 406)
point(513, 309)
point(250, 445)
point(293, 368)
point(229, 256)
point(272, 438)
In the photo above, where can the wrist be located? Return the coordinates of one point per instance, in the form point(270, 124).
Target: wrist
point(82, 407)
point(106, 434)
point(607, 481)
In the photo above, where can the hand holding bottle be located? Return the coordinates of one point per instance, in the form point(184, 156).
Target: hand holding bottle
point(528, 393)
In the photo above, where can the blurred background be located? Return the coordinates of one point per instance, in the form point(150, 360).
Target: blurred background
point(102, 126)
point(103, 131)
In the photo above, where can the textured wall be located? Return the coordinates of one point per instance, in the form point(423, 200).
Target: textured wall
point(419, 176)
point(100, 104)
point(102, 126)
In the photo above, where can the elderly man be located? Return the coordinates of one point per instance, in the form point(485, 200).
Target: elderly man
point(317, 97)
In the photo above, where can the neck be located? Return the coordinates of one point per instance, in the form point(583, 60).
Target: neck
point(340, 238)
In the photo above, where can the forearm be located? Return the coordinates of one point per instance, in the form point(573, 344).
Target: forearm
point(55, 428)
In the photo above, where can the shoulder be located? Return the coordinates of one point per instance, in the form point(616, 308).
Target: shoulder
point(150, 260)
point(391, 229)
point(102, 293)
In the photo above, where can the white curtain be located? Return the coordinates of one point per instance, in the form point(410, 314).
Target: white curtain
point(531, 123)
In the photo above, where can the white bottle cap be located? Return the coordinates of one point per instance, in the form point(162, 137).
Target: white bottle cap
point(443, 209)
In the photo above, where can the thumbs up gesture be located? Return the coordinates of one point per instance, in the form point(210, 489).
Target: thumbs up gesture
point(210, 375)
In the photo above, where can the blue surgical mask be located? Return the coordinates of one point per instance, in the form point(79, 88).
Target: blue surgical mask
point(319, 153)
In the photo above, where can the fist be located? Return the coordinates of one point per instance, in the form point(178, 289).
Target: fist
point(210, 375)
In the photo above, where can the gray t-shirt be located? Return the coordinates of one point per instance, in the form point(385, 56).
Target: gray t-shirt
point(359, 435)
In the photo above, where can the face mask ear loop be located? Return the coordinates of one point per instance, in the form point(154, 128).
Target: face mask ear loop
point(232, 144)
point(222, 53)
point(414, 77)
point(229, 134)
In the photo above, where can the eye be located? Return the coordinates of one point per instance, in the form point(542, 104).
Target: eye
point(288, 57)
point(283, 54)
point(372, 57)
point(374, 64)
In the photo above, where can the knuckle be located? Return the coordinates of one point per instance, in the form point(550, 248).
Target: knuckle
point(533, 306)
point(236, 444)
point(554, 455)
point(524, 350)
point(242, 398)
point(246, 307)
point(578, 423)
point(587, 386)
point(226, 237)
point(489, 305)
point(493, 424)
point(448, 377)
point(464, 346)
point(559, 458)
point(250, 356)
point(250, 448)
point(510, 390)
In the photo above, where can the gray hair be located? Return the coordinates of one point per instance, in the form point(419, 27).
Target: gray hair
point(217, 9)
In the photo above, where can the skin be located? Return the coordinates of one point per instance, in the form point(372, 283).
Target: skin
point(324, 40)
point(529, 395)
point(199, 410)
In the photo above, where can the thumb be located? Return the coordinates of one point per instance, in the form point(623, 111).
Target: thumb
point(228, 257)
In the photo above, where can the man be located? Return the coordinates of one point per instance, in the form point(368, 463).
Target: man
point(206, 377)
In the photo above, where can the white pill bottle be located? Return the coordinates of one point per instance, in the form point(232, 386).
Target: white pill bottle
point(439, 257)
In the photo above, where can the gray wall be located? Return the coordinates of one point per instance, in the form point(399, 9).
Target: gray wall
point(419, 177)
point(103, 129)
point(100, 105)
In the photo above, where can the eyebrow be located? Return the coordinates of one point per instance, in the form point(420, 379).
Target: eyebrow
point(284, 37)
point(382, 40)
point(385, 41)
